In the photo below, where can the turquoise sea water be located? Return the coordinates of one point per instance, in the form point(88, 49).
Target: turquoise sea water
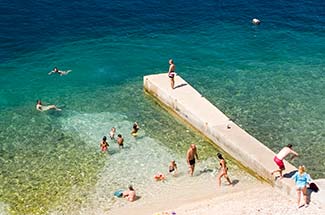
point(268, 78)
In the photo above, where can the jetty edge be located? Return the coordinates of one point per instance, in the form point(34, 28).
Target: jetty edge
point(198, 112)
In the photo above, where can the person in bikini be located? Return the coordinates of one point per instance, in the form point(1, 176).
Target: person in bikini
point(171, 73)
point(103, 144)
point(223, 170)
point(278, 159)
point(190, 157)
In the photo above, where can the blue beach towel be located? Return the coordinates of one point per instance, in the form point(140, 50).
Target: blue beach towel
point(118, 193)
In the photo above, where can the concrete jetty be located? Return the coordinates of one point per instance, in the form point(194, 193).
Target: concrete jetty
point(191, 106)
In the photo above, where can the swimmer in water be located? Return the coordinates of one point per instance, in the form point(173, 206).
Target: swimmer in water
point(41, 107)
point(60, 72)
point(103, 144)
point(135, 129)
point(120, 141)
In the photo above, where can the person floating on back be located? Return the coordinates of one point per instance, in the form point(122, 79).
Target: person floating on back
point(120, 141)
point(171, 73)
point(223, 170)
point(135, 129)
point(41, 107)
point(278, 159)
point(190, 157)
point(103, 144)
point(60, 72)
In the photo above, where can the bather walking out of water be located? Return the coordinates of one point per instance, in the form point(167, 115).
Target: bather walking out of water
point(190, 157)
point(60, 72)
point(223, 170)
point(41, 107)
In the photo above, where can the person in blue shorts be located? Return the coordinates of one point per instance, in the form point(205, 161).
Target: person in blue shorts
point(301, 179)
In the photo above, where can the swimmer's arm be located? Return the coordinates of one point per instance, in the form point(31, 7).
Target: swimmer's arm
point(50, 73)
point(294, 154)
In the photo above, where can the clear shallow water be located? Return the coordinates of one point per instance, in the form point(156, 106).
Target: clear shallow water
point(268, 78)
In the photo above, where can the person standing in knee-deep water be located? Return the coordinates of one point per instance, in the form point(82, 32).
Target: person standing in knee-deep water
point(120, 141)
point(301, 179)
point(171, 73)
point(223, 170)
point(278, 159)
point(190, 157)
point(103, 144)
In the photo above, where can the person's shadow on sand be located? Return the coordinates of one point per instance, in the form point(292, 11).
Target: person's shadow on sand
point(180, 85)
point(289, 174)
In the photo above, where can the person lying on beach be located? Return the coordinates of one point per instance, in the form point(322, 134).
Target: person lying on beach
point(120, 141)
point(130, 194)
point(112, 133)
point(135, 129)
point(103, 144)
point(278, 159)
point(172, 168)
point(190, 157)
point(223, 170)
point(41, 107)
point(60, 72)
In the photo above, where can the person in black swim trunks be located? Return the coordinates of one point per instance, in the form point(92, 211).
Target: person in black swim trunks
point(171, 73)
point(190, 157)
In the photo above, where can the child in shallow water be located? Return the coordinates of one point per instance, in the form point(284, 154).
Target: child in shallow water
point(112, 133)
point(172, 168)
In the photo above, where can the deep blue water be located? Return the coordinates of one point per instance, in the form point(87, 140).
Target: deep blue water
point(268, 78)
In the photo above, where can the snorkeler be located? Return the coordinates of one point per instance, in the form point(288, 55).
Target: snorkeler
point(60, 72)
point(41, 107)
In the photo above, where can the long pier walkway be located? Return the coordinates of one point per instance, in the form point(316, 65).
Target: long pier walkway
point(190, 105)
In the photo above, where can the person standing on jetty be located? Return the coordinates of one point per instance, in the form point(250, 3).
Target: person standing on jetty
point(278, 159)
point(190, 157)
point(223, 170)
point(171, 73)
point(301, 179)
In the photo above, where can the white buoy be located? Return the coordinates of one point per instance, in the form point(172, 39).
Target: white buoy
point(256, 21)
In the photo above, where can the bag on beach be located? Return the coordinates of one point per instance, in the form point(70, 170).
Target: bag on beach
point(313, 187)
